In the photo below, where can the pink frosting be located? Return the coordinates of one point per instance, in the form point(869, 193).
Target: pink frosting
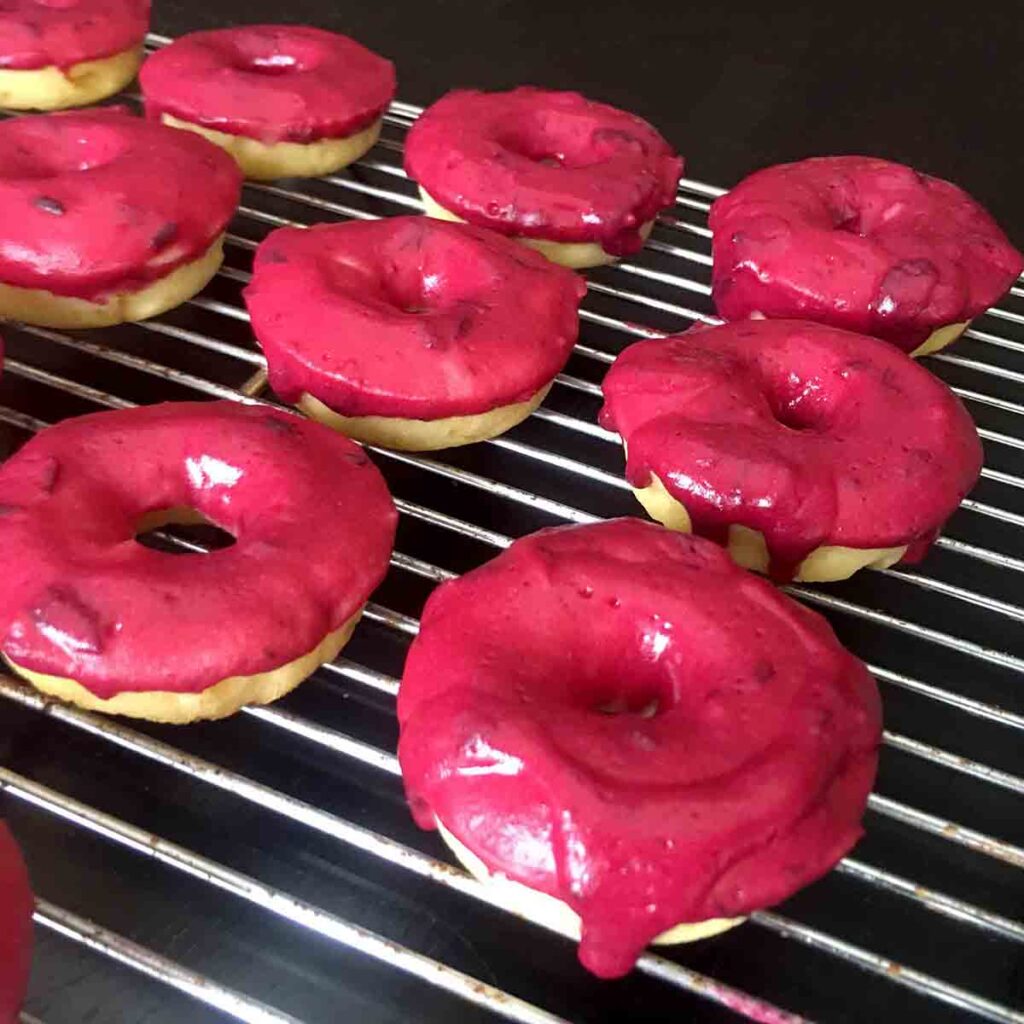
point(527, 729)
point(41, 33)
point(858, 243)
point(275, 83)
point(410, 317)
point(16, 906)
point(311, 515)
point(539, 164)
point(808, 434)
point(95, 202)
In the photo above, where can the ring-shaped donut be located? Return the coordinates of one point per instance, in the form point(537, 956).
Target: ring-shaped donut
point(106, 217)
point(283, 100)
point(811, 452)
point(410, 332)
point(862, 244)
point(16, 906)
point(579, 180)
point(89, 614)
point(68, 53)
point(619, 717)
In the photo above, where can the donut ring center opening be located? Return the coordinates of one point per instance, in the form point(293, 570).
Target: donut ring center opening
point(200, 535)
point(274, 56)
point(557, 145)
point(50, 152)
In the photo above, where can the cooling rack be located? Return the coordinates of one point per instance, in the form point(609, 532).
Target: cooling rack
point(265, 868)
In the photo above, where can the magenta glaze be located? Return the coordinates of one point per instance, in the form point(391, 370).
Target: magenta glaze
point(748, 781)
point(858, 243)
point(808, 434)
point(539, 164)
point(95, 202)
point(16, 906)
point(275, 83)
point(311, 515)
point(42, 33)
point(410, 317)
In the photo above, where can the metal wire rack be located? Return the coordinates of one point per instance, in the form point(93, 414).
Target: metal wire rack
point(265, 869)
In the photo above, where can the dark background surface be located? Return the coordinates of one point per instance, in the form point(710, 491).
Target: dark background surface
point(734, 85)
point(734, 90)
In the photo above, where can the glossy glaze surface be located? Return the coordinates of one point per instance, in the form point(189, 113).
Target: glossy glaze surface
point(44, 33)
point(410, 317)
point(311, 515)
point(97, 202)
point(16, 905)
point(541, 164)
point(275, 83)
point(619, 716)
point(807, 434)
point(858, 243)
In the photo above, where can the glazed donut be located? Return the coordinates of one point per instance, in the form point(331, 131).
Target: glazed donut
point(106, 218)
point(286, 101)
point(90, 615)
point(409, 332)
point(579, 181)
point(809, 451)
point(68, 53)
point(862, 244)
point(16, 906)
point(620, 719)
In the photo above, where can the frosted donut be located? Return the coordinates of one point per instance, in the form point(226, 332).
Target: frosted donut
point(808, 451)
point(578, 180)
point(68, 53)
point(862, 244)
point(106, 218)
point(286, 101)
point(626, 733)
point(89, 615)
point(16, 906)
point(408, 332)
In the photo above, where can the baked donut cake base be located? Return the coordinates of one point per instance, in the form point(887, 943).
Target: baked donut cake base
point(54, 88)
point(265, 161)
point(423, 435)
point(559, 916)
point(217, 701)
point(747, 547)
point(940, 338)
point(45, 309)
point(574, 255)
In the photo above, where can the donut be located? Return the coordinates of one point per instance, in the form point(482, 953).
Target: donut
point(617, 721)
point(408, 332)
point(68, 53)
point(286, 101)
point(577, 180)
point(862, 244)
point(809, 451)
point(90, 615)
point(16, 906)
point(106, 218)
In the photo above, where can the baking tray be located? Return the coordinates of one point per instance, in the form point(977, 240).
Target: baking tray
point(266, 869)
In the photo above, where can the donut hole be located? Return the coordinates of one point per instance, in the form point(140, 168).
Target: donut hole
point(194, 532)
point(535, 147)
point(46, 151)
point(563, 142)
point(271, 64)
point(795, 415)
point(638, 705)
point(274, 56)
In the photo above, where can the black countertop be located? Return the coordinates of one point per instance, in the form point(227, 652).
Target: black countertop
point(734, 86)
point(734, 90)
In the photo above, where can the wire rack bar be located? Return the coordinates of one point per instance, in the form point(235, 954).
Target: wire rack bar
point(139, 958)
point(677, 237)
